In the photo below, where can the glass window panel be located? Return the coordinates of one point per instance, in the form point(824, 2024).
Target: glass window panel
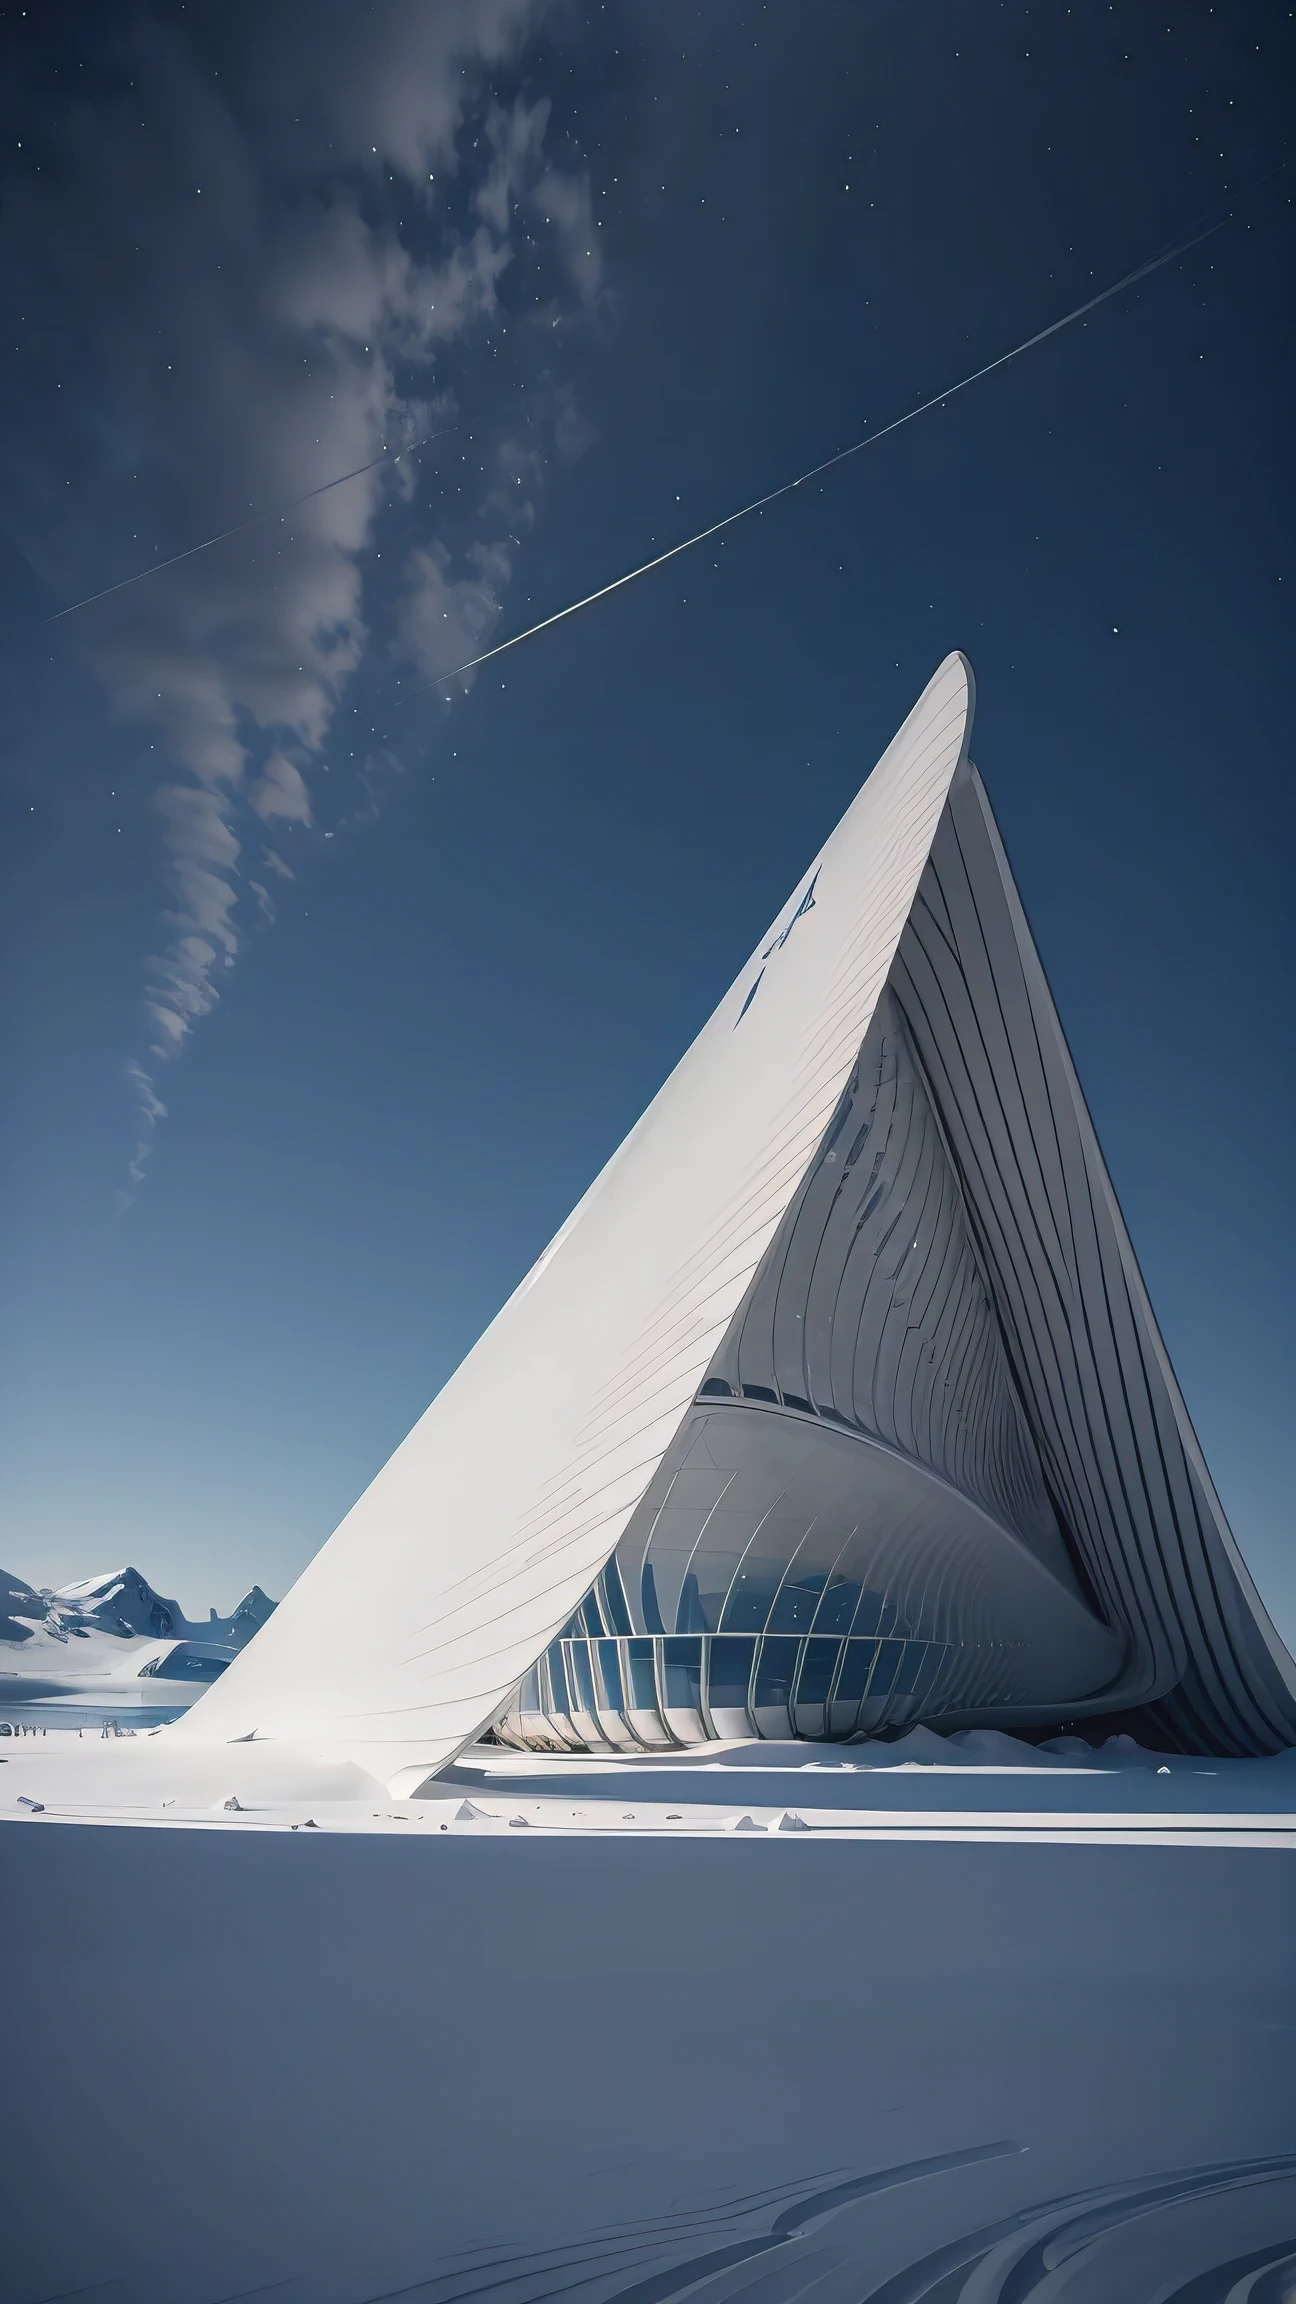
point(560, 1700)
point(716, 1574)
point(696, 1490)
point(609, 1671)
point(719, 1556)
point(794, 1609)
point(581, 1677)
point(648, 1591)
point(641, 1679)
point(752, 1596)
point(837, 1607)
point(856, 1665)
point(688, 1613)
point(888, 1664)
point(591, 1615)
point(774, 1671)
point(682, 1672)
point(729, 1671)
point(817, 1667)
point(612, 1595)
point(911, 1664)
point(815, 1557)
point(871, 1614)
point(930, 1670)
point(674, 1541)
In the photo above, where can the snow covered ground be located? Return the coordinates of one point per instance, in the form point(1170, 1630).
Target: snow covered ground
point(979, 1784)
point(946, 2019)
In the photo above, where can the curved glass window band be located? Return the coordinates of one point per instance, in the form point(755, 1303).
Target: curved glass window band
point(758, 1684)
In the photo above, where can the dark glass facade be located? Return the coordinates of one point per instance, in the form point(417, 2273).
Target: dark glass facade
point(683, 1688)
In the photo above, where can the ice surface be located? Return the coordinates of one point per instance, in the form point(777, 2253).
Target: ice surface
point(642, 2028)
point(608, 2058)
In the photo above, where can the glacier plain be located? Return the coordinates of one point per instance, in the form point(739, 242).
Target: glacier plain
point(947, 2018)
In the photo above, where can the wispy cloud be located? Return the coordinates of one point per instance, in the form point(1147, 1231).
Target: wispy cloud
point(280, 791)
point(151, 1109)
point(565, 202)
point(446, 616)
point(303, 270)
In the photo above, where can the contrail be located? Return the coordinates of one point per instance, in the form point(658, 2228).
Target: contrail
point(1117, 288)
point(258, 519)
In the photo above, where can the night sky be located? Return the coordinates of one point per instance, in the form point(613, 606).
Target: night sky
point(327, 992)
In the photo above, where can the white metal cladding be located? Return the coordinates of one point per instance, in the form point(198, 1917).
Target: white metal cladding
point(494, 1516)
point(1123, 1462)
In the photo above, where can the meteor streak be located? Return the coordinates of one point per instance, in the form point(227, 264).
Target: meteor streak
point(258, 519)
point(758, 503)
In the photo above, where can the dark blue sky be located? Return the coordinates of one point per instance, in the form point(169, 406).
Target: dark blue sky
point(402, 970)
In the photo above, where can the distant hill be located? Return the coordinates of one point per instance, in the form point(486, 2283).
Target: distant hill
point(120, 1605)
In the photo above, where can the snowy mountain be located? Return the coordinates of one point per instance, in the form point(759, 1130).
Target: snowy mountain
point(109, 1646)
point(123, 1605)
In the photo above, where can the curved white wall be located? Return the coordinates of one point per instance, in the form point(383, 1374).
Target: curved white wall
point(496, 1513)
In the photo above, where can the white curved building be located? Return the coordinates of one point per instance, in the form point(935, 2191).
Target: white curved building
point(836, 1404)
